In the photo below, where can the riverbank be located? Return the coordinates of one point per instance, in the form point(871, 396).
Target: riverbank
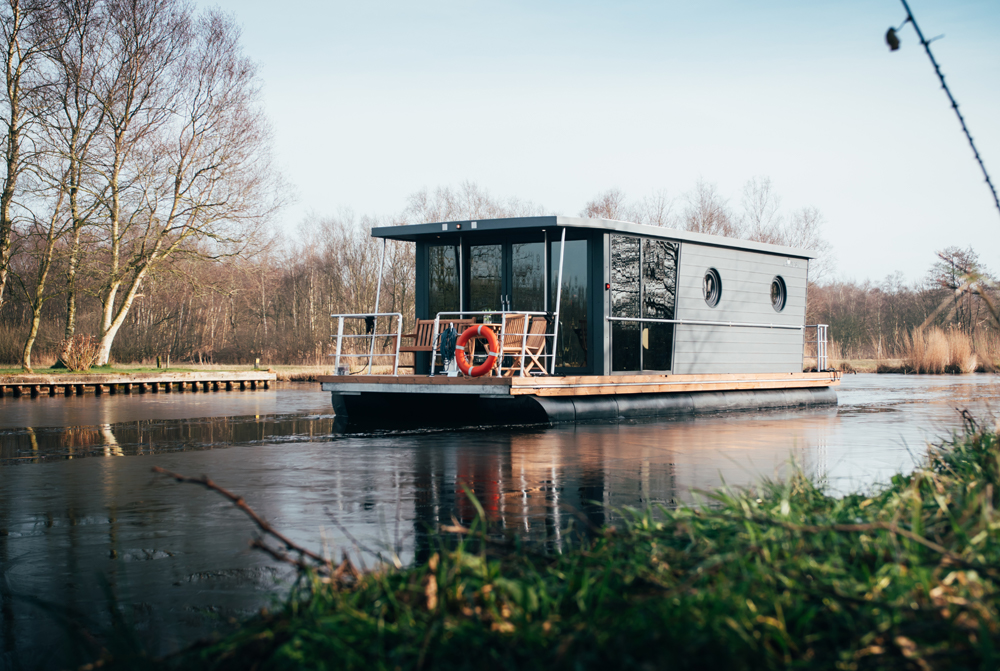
point(776, 577)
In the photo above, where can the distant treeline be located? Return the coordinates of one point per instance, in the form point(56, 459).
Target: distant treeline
point(274, 302)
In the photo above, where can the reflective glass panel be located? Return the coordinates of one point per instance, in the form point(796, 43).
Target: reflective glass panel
point(485, 277)
point(659, 298)
point(442, 279)
point(528, 276)
point(571, 350)
point(625, 294)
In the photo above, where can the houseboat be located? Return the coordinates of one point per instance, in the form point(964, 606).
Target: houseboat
point(563, 319)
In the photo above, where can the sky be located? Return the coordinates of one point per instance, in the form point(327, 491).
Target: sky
point(555, 102)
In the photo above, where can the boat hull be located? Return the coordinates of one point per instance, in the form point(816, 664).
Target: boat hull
point(418, 408)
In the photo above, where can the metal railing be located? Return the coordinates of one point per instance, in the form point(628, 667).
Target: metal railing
point(443, 316)
point(372, 336)
point(822, 357)
point(702, 322)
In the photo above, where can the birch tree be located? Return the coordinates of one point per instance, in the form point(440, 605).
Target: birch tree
point(189, 169)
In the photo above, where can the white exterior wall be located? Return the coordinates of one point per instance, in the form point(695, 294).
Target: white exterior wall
point(746, 286)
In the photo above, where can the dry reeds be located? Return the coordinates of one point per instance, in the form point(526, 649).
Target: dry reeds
point(937, 351)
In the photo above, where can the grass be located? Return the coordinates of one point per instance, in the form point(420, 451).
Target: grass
point(289, 372)
point(784, 576)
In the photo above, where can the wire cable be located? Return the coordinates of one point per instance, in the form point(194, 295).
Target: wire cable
point(954, 105)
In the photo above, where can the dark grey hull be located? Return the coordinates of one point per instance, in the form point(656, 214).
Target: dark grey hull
point(387, 410)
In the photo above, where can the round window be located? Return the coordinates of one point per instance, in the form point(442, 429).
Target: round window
point(778, 294)
point(712, 287)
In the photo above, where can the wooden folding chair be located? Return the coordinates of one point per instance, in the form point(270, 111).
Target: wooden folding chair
point(534, 346)
point(512, 331)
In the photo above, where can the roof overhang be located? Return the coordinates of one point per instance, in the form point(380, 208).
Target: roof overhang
point(429, 232)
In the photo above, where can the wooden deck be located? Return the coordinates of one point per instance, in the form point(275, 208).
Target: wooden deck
point(584, 385)
point(70, 384)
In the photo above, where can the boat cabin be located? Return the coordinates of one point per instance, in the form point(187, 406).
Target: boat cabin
point(632, 299)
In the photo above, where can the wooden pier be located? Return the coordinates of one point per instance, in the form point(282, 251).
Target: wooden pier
point(128, 383)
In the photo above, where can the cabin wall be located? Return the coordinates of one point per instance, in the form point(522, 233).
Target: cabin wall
point(746, 284)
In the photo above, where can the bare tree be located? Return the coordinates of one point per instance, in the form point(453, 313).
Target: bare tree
point(73, 118)
point(761, 220)
point(708, 212)
point(468, 201)
point(189, 160)
point(608, 205)
point(20, 50)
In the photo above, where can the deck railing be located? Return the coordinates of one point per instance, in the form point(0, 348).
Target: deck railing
point(398, 334)
point(818, 345)
point(549, 352)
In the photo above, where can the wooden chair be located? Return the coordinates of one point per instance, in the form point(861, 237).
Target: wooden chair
point(534, 347)
point(424, 332)
point(525, 335)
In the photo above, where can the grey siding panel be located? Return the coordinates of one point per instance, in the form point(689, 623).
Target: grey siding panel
point(746, 283)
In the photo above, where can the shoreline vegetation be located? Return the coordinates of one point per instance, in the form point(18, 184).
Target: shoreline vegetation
point(779, 576)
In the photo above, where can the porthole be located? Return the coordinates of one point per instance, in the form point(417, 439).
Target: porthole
point(712, 287)
point(778, 293)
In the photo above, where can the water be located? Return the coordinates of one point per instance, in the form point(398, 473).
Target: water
point(85, 526)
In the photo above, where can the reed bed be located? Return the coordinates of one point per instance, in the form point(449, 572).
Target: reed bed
point(783, 576)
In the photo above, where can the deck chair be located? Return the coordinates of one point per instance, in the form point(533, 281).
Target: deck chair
point(519, 340)
point(512, 331)
point(534, 346)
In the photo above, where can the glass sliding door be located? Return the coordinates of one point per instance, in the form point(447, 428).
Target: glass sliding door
point(485, 277)
point(443, 279)
point(643, 285)
point(527, 277)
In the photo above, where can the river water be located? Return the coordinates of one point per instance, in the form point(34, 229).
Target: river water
point(86, 529)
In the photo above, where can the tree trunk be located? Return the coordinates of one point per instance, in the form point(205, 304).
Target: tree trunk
point(108, 334)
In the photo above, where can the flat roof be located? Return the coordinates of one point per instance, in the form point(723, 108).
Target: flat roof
point(423, 232)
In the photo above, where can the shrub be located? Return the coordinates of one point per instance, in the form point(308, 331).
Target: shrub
point(78, 352)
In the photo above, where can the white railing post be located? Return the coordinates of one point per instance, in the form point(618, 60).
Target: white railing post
point(378, 298)
point(434, 335)
point(555, 332)
point(340, 339)
point(524, 340)
point(399, 341)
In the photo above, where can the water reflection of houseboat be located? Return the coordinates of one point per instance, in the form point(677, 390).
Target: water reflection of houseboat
point(595, 319)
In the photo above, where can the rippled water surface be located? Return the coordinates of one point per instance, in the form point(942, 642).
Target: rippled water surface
point(85, 526)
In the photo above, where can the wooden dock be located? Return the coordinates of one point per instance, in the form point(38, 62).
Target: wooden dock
point(582, 385)
point(126, 383)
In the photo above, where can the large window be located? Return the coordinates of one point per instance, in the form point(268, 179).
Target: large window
point(442, 279)
point(571, 349)
point(643, 286)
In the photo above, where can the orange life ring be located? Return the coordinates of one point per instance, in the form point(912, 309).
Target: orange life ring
point(480, 330)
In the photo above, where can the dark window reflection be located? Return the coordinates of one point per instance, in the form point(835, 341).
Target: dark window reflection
point(659, 298)
point(625, 294)
point(485, 277)
point(528, 276)
point(643, 284)
point(571, 350)
point(442, 279)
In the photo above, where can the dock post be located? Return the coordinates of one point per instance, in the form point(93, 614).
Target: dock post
point(79, 389)
point(67, 390)
point(98, 389)
point(154, 387)
point(52, 390)
point(112, 388)
point(267, 384)
point(243, 385)
point(128, 387)
point(2, 390)
point(215, 385)
point(34, 390)
point(205, 386)
point(253, 385)
point(229, 385)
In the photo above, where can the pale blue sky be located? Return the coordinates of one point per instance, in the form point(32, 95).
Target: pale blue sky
point(554, 102)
